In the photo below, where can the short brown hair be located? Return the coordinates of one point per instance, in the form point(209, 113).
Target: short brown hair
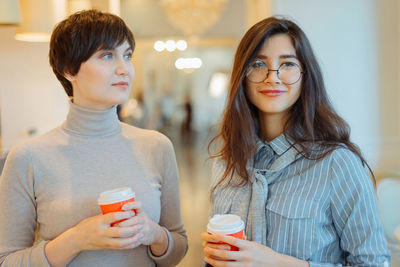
point(75, 39)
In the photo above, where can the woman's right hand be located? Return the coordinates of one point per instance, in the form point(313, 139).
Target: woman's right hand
point(211, 241)
point(95, 233)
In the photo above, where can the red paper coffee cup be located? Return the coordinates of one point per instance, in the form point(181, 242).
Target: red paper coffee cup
point(114, 200)
point(227, 224)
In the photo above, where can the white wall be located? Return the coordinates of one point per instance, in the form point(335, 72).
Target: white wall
point(31, 96)
point(347, 39)
point(207, 110)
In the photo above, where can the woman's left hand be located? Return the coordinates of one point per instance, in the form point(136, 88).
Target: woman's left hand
point(250, 254)
point(151, 233)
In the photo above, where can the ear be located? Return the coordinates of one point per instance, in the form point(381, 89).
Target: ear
point(69, 76)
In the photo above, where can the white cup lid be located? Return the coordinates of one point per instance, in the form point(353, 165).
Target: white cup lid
point(225, 224)
point(115, 195)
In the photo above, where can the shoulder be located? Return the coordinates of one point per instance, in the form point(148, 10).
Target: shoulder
point(337, 157)
point(144, 136)
point(217, 169)
point(217, 175)
point(343, 157)
point(19, 154)
point(347, 170)
point(34, 145)
point(218, 165)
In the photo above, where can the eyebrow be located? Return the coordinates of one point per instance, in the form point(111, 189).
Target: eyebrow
point(114, 48)
point(281, 56)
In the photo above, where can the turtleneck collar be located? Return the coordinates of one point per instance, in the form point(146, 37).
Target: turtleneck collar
point(94, 123)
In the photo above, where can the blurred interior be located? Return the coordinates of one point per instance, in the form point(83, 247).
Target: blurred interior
point(180, 87)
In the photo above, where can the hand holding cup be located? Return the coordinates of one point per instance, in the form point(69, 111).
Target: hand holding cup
point(150, 231)
point(114, 200)
point(95, 233)
point(218, 227)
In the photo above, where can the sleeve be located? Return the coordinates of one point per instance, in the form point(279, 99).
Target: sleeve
point(18, 213)
point(216, 173)
point(355, 213)
point(170, 218)
point(223, 194)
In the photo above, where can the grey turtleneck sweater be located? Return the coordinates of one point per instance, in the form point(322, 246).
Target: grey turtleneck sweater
point(54, 180)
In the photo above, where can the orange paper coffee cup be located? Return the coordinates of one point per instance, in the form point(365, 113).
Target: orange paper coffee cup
point(227, 224)
point(114, 200)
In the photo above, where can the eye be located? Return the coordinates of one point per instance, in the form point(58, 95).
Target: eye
point(128, 56)
point(289, 64)
point(257, 64)
point(107, 55)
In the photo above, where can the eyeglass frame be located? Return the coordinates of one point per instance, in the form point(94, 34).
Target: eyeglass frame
point(277, 73)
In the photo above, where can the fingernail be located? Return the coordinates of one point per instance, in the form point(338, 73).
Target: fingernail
point(131, 213)
point(124, 207)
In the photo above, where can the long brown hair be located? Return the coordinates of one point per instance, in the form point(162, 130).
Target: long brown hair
point(312, 119)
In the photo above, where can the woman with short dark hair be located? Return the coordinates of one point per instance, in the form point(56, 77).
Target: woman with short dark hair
point(286, 164)
point(51, 183)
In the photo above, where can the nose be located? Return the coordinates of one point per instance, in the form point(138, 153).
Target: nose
point(272, 77)
point(122, 66)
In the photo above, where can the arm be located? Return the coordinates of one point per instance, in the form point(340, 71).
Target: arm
point(354, 212)
point(18, 212)
point(18, 223)
point(170, 219)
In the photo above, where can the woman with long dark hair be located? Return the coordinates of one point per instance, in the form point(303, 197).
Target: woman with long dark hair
point(286, 164)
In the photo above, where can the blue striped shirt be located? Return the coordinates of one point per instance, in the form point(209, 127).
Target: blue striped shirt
point(321, 211)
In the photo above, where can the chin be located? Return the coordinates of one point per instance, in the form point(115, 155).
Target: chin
point(121, 100)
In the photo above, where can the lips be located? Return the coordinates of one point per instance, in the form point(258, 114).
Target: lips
point(122, 85)
point(272, 93)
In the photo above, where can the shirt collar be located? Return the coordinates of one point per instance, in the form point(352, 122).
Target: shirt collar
point(279, 145)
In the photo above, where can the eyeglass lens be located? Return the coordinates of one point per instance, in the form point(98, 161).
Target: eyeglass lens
point(288, 72)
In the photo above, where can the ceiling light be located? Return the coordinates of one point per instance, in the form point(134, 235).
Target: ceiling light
point(159, 46)
point(181, 45)
point(170, 45)
point(188, 63)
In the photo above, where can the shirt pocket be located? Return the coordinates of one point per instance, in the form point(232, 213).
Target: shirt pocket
point(291, 222)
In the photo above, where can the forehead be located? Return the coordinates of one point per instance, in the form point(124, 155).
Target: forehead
point(123, 46)
point(276, 46)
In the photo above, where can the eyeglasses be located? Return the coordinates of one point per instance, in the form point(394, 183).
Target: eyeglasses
point(288, 72)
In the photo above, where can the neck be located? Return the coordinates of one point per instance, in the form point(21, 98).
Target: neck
point(271, 125)
point(88, 122)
